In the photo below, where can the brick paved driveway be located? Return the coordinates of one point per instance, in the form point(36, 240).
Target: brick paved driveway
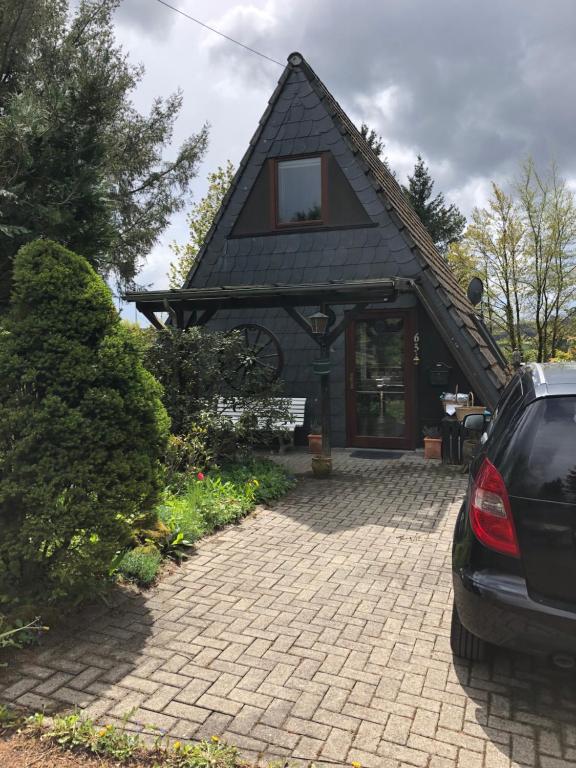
point(317, 630)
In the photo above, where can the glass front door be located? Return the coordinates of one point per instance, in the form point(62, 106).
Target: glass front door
point(379, 381)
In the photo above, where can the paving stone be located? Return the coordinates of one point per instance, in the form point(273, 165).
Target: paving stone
point(318, 628)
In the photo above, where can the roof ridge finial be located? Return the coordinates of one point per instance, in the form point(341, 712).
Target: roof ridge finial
point(295, 59)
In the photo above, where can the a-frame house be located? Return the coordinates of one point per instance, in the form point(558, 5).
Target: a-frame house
point(314, 221)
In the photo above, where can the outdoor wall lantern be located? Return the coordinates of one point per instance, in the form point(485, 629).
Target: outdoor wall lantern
point(319, 323)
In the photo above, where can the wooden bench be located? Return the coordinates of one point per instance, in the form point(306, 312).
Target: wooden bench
point(296, 410)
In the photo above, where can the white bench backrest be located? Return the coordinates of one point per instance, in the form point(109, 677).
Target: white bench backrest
point(296, 409)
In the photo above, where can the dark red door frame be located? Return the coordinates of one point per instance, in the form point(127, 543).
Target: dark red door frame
point(408, 442)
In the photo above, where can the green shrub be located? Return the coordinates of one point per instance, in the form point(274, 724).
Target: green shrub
point(141, 564)
point(197, 368)
point(82, 429)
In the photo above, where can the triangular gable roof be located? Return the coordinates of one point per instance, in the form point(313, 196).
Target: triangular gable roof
point(453, 314)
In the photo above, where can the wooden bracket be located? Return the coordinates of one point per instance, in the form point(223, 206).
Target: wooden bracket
point(151, 317)
point(345, 322)
point(302, 322)
point(208, 314)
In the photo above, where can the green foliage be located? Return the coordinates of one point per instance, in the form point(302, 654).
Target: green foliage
point(197, 369)
point(77, 733)
point(376, 144)
point(271, 480)
point(444, 222)
point(78, 163)
point(202, 503)
point(8, 717)
point(19, 633)
point(200, 219)
point(522, 244)
point(141, 564)
point(82, 429)
point(205, 754)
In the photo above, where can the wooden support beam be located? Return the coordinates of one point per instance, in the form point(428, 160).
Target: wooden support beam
point(151, 317)
point(345, 322)
point(191, 319)
point(208, 314)
point(302, 322)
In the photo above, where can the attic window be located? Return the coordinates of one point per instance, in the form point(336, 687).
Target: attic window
point(299, 191)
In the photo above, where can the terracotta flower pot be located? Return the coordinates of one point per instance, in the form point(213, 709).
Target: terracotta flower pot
point(432, 447)
point(315, 443)
point(321, 465)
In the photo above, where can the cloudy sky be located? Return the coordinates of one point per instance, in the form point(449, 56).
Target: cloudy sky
point(473, 86)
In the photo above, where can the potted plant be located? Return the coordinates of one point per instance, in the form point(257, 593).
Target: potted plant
point(315, 439)
point(432, 443)
point(321, 465)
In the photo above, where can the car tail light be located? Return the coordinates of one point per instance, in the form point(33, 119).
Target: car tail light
point(490, 512)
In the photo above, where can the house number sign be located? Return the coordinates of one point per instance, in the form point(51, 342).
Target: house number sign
point(416, 358)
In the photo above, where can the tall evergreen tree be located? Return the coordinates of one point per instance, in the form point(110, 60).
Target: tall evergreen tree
point(444, 222)
point(375, 142)
point(78, 163)
point(82, 428)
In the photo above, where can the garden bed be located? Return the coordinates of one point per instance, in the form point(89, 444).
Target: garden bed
point(196, 505)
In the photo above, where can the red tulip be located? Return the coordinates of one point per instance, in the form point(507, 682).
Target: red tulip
point(200, 476)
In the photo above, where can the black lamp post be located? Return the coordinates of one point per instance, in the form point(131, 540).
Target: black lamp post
point(319, 325)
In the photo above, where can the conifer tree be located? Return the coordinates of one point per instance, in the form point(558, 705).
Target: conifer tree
point(82, 428)
point(78, 163)
point(444, 222)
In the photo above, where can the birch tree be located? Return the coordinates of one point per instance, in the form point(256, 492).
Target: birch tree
point(199, 220)
point(495, 238)
point(549, 217)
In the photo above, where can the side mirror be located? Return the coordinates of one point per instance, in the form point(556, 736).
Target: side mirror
point(475, 422)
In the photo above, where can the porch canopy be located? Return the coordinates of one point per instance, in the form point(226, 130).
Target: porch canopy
point(196, 306)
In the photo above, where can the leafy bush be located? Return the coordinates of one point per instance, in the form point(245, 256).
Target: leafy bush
point(82, 429)
point(141, 564)
point(199, 368)
point(272, 480)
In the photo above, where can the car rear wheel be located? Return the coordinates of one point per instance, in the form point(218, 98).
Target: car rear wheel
point(464, 644)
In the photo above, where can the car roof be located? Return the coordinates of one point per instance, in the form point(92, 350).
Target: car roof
point(551, 379)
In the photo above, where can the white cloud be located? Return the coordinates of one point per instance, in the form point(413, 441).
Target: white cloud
point(474, 88)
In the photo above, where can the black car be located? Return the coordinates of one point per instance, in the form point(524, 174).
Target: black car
point(514, 549)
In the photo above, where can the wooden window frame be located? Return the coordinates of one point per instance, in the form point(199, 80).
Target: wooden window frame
point(409, 440)
point(323, 220)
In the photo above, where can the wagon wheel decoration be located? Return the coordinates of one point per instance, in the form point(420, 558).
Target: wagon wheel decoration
point(263, 354)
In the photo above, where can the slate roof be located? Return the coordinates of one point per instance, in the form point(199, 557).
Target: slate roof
point(303, 116)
